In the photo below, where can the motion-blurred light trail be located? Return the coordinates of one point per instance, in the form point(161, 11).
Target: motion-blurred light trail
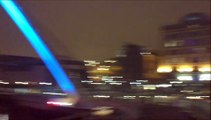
point(40, 47)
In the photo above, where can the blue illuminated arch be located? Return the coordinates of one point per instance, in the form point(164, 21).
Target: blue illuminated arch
point(40, 47)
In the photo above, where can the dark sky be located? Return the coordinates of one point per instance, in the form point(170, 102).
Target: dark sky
point(95, 29)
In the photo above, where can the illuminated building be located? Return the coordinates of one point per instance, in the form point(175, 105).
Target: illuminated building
point(186, 48)
point(137, 62)
point(133, 62)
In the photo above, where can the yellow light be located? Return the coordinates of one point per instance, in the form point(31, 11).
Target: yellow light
point(106, 69)
point(205, 68)
point(164, 69)
point(185, 68)
point(149, 87)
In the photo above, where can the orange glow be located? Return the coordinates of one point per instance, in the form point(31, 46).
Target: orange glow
point(164, 69)
point(185, 68)
point(205, 68)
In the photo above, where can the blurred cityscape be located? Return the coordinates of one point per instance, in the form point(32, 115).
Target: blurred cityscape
point(179, 74)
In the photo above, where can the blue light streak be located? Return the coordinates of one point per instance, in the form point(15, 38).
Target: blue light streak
point(40, 47)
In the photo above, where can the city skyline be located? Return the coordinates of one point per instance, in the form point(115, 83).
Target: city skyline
point(95, 30)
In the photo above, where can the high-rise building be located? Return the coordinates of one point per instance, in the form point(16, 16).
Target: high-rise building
point(186, 48)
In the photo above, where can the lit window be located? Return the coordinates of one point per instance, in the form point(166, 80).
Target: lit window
point(185, 68)
point(205, 77)
point(205, 68)
point(185, 78)
point(164, 69)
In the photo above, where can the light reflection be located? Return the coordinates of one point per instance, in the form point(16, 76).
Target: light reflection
point(23, 83)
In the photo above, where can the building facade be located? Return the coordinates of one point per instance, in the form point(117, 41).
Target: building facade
point(186, 48)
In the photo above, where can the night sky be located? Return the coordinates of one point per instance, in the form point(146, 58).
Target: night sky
point(95, 29)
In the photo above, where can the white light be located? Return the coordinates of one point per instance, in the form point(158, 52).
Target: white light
point(89, 61)
point(52, 93)
point(135, 83)
point(145, 96)
point(205, 69)
point(145, 53)
point(160, 96)
point(205, 96)
point(101, 96)
point(102, 111)
point(111, 81)
point(185, 78)
point(164, 85)
point(86, 81)
point(98, 83)
point(1, 82)
point(129, 97)
point(59, 103)
point(142, 80)
point(89, 65)
point(23, 83)
point(116, 76)
point(176, 82)
point(186, 91)
point(194, 97)
point(45, 83)
point(110, 61)
point(94, 77)
point(108, 81)
point(205, 77)
point(115, 83)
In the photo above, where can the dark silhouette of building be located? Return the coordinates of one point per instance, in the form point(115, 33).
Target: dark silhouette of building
point(28, 69)
point(132, 62)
